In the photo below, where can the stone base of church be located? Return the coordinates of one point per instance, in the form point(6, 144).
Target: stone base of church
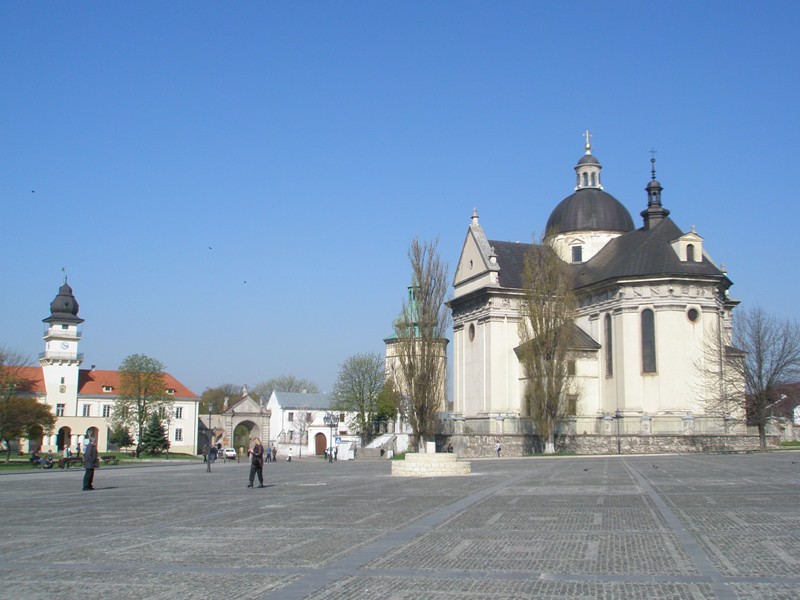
point(430, 465)
point(477, 446)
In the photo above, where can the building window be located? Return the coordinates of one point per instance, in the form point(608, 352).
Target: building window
point(471, 331)
point(170, 391)
point(609, 347)
point(693, 315)
point(341, 417)
point(178, 412)
point(571, 370)
point(648, 341)
point(577, 254)
point(690, 253)
point(290, 417)
point(106, 410)
point(178, 434)
point(107, 388)
point(59, 410)
point(63, 381)
point(86, 409)
point(572, 404)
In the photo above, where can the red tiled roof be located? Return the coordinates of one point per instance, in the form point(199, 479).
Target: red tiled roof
point(91, 382)
point(33, 379)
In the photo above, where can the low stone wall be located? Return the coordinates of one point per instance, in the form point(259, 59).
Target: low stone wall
point(477, 446)
point(430, 465)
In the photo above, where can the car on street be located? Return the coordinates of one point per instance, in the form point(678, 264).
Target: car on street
point(228, 453)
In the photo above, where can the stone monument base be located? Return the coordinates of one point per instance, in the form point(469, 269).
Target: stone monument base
point(431, 465)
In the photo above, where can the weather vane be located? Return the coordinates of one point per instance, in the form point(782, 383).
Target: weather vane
point(653, 164)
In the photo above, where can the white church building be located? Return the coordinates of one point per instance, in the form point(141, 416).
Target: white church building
point(651, 301)
point(83, 399)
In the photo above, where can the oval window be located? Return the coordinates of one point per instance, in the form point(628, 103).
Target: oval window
point(693, 315)
point(471, 332)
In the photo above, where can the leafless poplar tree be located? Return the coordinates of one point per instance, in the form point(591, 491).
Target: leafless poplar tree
point(421, 348)
point(547, 312)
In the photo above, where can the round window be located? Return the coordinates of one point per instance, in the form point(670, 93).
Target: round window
point(471, 332)
point(693, 315)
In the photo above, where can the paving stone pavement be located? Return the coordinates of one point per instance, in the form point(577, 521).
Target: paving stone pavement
point(642, 527)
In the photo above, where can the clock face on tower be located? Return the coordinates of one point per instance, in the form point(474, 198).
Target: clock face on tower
point(64, 346)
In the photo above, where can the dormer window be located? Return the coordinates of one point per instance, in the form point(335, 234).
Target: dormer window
point(108, 388)
point(170, 391)
point(577, 254)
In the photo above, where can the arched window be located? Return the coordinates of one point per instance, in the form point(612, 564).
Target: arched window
point(585, 180)
point(609, 347)
point(648, 341)
point(594, 179)
point(690, 253)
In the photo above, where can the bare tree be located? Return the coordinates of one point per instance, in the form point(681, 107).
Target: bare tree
point(547, 313)
point(215, 397)
point(421, 342)
point(284, 383)
point(765, 356)
point(357, 390)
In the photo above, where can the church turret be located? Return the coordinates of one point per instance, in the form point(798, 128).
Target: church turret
point(655, 212)
point(588, 168)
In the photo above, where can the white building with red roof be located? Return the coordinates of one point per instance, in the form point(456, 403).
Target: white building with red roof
point(83, 399)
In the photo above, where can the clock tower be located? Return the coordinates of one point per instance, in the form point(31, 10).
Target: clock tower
point(61, 360)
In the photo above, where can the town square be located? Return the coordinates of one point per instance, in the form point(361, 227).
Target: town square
point(713, 526)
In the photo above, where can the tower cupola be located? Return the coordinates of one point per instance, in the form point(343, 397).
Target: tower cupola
point(654, 212)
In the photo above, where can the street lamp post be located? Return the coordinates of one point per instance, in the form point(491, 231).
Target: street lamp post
point(331, 421)
point(210, 439)
point(618, 416)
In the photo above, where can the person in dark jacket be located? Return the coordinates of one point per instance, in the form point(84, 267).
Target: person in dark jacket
point(90, 463)
point(256, 463)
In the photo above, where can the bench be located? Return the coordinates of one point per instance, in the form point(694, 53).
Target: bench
point(72, 460)
point(109, 460)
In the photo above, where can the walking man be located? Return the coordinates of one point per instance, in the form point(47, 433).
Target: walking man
point(90, 463)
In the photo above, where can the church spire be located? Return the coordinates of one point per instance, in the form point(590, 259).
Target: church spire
point(655, 212)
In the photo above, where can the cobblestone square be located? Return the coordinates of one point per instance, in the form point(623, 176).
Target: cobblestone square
point(686, 526)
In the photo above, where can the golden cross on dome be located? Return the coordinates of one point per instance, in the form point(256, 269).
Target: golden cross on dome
point(587, 135)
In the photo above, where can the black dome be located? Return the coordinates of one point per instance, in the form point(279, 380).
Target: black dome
point(589, 209)
point(588, 159)
point(64, 307)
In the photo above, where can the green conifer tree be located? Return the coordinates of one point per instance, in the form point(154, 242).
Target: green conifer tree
point(154, 438)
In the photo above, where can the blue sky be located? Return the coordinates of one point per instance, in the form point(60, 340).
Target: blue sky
point(307, 143)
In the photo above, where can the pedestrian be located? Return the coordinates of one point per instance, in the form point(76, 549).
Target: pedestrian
point(67, 451)
point(274, 454)
point(78, 449)
point(212, 456)
point(497, 448)
point(269, 454)
point(289, 458)
point(34, 457)
point(256, 463)
point(90, 463)
point(205, 453)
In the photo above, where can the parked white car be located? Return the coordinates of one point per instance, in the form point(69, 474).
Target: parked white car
point(228, 453)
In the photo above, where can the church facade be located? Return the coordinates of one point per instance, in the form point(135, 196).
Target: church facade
point(83, 399)
point(650, 304)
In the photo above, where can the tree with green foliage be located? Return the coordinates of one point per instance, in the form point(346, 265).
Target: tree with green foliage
point(143, 392)
point(120, 436)
point(154, 439)
point(357, 390)
point(546, 328)
point(215, 397)
point(21, 415)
